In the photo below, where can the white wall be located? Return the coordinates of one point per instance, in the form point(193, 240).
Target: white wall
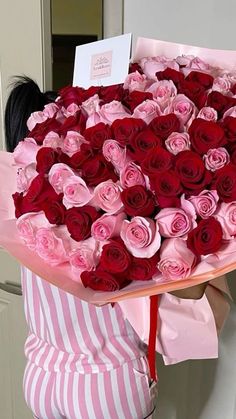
point(22, 45)
point(209, 23)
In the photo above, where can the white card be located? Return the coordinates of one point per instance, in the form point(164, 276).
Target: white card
point(102, 63)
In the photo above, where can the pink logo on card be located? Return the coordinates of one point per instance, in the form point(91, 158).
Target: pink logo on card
point(101, 65)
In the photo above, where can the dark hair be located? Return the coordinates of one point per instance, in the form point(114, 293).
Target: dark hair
point(24, 99)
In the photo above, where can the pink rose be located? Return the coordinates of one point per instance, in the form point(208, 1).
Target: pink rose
point(175, 222)
point(114, 153)
point(222, 84)
point(25, 177)
point(208, 113)
point(135, 81)
point(94, 119)
point(226, 215)
point(112, 111)
point(147, 111)
point(84, 257)
point(141, 237)
point(107, 197)
point(216, 158)
point(27, 226)
point(198, 65)
point(92, 104)
point(131, 175)
point(107, 226)
point(230, 112)
point(72, 142)
point(52, 140)
point(25, 152)
point(205, 203)
point(151, 65)
point(176, 260)
point(163, 91)
point(58, 174)
point(76, 192)
point(184, 108)
point(50, 244)
point(36, 118)
point(177, 142)
point(184, 60)
point(70, 110)
point(50, 110)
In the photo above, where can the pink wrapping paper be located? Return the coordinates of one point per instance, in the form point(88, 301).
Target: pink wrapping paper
point(146, 47)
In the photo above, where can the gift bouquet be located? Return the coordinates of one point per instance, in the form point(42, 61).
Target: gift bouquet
point(130, 190)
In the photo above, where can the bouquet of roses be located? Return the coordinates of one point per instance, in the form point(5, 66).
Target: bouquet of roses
point(132, 187)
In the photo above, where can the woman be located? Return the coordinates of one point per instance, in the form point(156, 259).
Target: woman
point(88, 362)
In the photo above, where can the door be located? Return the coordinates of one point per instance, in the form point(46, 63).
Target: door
point(25, 48)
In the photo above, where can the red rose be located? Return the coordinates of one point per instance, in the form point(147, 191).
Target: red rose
point(115, 258)
point(124, 130)
point(233, 89)
point(166, 184)
point(133, 99)
point(97, 170)
point(109, 93)
point(38, 195)
point(138, 201)
point(135, 67)
point(225, 183)
point(170, 74)
point(206, 238)
point(97, 134)
point(91, 91)
point(220, 103)
point(205, 80)
point(75, 122)
point(168, 201)
point(62, 157)
point(229, 127)
point(77, 95)
point(55, 212)
point(205, 135)
point(100, 280)
point(40, 191)
point(194, 91)
point(233, 155)
point(40, 131)
point(156, 161)
point(191, 171)
point(69, 95)
point(46, 158)
point(80, 220)
point(78, 159)
point(22, 206)
point(143, 269)
point(143, 142)
point(164, 125)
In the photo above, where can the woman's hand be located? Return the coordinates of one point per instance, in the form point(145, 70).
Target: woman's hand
point(195, 293)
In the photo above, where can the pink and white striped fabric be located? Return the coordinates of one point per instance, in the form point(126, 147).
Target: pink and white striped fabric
point(123, 392)
point(83, 361)
point(88, 362)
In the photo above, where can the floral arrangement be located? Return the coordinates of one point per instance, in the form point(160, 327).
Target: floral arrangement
point(133, 182)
